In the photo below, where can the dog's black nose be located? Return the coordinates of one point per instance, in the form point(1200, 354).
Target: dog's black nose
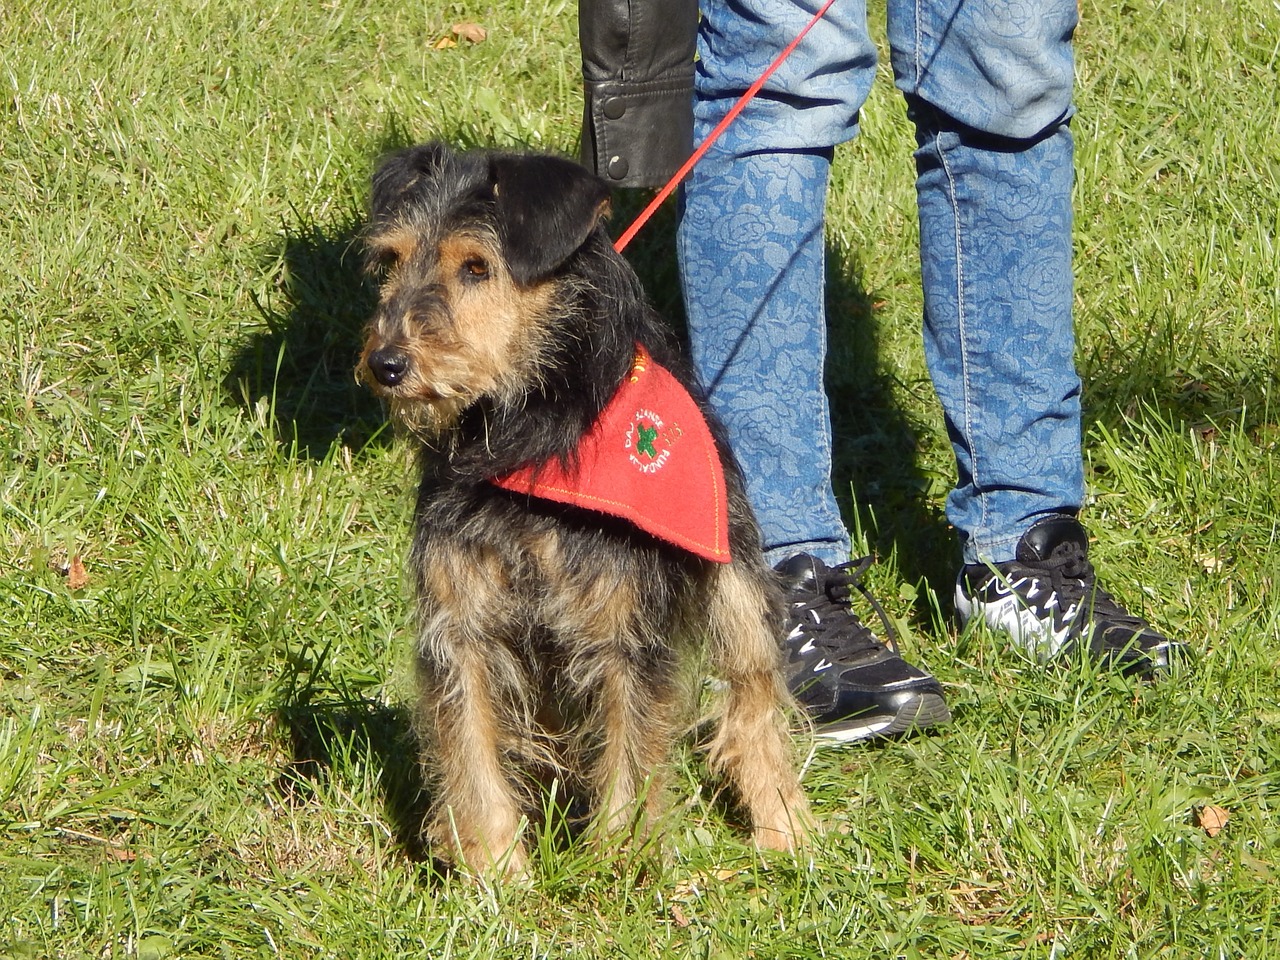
point(388, 366)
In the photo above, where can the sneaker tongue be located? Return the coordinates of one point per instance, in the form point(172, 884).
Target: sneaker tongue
point(1050, 535)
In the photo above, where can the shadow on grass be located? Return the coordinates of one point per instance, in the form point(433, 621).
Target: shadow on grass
point(652, 253)
point(876, 449)
point(302, 363)
point(1123, 383)
point(328, 736)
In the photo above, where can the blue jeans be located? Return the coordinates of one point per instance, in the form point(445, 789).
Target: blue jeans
point(988, 86)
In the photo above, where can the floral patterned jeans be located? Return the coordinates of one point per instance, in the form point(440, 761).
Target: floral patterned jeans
point(988, 87)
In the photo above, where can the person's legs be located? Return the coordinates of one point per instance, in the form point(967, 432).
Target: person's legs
point(989, 89)
point(995, 228)
point(751, 250)
point(988, 85)
point(752, 258)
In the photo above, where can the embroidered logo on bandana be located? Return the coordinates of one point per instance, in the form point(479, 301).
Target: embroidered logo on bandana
point(650, 459)
point(650, 440)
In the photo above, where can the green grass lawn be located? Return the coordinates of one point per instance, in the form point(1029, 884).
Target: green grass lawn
point(203, 619)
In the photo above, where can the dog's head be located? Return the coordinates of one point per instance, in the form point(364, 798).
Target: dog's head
point(469, 249)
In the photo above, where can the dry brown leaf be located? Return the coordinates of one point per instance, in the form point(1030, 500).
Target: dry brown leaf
point(1213, 819)
point(77, 575)
point(679, 916)
point(444, 43)
point(469, 31)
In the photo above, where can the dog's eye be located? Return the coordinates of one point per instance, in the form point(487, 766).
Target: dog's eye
point(474, 268)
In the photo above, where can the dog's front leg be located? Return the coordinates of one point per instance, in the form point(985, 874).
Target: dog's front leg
point(625, 671)
point(477, 807)
point(752, 746)
point(637, 707)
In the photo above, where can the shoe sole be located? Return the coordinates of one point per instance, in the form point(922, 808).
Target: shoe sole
point(926, 710)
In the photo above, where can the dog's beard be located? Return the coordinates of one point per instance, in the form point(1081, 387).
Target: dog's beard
point(426, 421)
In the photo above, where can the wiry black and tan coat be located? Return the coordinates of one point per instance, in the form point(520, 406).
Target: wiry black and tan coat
point(550, 635)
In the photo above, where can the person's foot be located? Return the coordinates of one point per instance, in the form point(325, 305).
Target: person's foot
point(1049, 602)
point(853, 684)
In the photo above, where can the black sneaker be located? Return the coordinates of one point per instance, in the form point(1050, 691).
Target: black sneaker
point(852, 684)
point(1048, 601)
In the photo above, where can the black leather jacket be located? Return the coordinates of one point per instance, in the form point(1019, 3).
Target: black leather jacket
point(637, 64)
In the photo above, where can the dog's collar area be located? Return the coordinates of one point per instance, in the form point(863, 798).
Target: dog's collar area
point(649, 459)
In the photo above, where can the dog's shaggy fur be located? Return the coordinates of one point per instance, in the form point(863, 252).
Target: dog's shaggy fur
point(548, 634)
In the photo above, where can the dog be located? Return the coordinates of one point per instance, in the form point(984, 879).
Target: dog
point(553, 621)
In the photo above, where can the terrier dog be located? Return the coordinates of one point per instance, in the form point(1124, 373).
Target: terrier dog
point(581, 528)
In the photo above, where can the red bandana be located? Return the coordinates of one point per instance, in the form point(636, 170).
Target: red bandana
point(649, 458)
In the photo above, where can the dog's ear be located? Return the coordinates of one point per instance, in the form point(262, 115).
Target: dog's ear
point(546, 209)
point(400, 172)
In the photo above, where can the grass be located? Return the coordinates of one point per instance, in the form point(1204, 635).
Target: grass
point(203, 623)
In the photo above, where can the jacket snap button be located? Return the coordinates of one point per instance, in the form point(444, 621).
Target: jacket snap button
point(614, 108)
point(618, 167)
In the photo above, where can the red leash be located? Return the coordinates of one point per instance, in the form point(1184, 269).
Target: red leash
point(621, 243)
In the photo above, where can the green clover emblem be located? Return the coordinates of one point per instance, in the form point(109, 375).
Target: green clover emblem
point(645, 443)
